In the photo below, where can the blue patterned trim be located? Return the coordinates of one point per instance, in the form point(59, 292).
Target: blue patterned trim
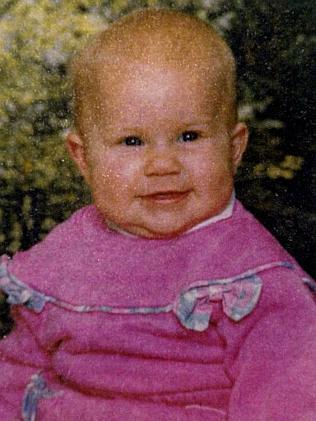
point(310, 283)
point(17, 291)
point(239, 295)
point(35, 390)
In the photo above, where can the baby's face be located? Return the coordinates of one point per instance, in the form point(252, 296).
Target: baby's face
point(159, 157)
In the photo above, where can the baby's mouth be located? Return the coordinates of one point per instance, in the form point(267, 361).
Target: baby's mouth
point(169, 196)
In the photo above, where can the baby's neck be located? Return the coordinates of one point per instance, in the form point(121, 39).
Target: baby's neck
point(224, 214)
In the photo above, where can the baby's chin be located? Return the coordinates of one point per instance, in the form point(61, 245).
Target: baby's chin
point(152, 232)
point(147, 232)
point(161, 234)
point(160, 227)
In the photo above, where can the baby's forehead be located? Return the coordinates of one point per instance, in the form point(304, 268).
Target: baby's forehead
point(151, 40)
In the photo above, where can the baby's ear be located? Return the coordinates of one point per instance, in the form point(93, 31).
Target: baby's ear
point(239, 140)
point(77, 152)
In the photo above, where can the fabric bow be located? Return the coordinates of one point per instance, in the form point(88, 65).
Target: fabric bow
point(238, 296)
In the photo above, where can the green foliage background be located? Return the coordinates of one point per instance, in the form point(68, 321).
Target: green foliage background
point(273, 43)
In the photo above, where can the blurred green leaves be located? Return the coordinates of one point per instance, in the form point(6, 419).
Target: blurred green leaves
point(36, 41)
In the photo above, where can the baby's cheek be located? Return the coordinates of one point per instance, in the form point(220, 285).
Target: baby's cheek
point(130, 178)
point(225, 171)
point(216, 179)
point(103, 180)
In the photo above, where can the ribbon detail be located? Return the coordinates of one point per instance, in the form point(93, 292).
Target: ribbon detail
point(238, 296)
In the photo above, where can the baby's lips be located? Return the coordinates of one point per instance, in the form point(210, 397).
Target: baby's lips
point(167, 195)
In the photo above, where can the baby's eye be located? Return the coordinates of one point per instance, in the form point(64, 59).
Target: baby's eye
point(132, 141)
point(188, 136)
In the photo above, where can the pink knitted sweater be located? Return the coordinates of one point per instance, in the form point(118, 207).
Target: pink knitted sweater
point(216, 324)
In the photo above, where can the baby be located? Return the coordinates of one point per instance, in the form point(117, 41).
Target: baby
point(166, 299)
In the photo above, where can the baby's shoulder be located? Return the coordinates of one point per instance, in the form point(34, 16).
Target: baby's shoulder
point(42, 267)
point(288, 288)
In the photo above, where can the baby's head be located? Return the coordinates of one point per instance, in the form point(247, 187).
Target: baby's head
point(157, 137)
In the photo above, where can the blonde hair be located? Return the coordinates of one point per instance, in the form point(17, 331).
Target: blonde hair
point(155, 36)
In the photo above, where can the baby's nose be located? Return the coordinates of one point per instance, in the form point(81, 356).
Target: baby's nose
point(162, 160)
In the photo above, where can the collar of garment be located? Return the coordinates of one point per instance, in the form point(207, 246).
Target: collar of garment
point(238, 294)
point(224, 214)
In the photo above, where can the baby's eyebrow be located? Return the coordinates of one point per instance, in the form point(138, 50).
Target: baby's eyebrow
point(140, 129)
point(198, 123)
point(123, 131)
